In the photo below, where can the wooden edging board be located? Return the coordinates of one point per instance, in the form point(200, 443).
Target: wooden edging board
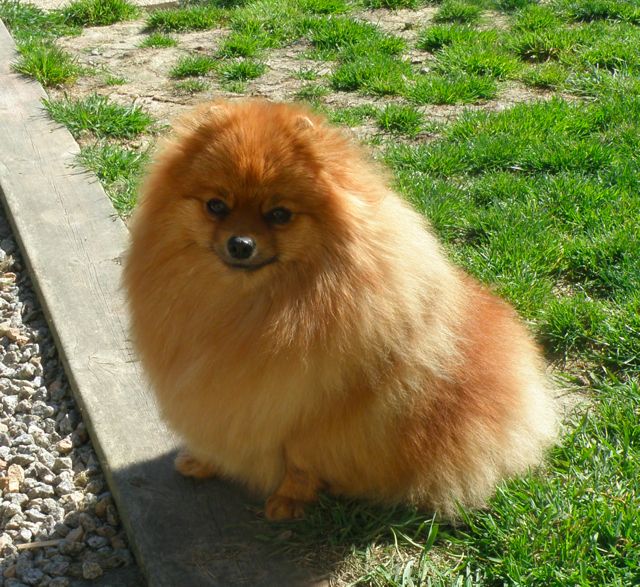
point(183, 533)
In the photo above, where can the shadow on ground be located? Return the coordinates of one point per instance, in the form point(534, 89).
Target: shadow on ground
point(200, 532)
point(210, 533)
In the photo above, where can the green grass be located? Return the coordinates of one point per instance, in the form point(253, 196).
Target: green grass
point(195, 18)
point(244, 44)
point(119, 169)
point(28, 22)
point(191, 86)
point(99, 116)
point(541, 46)
point(345, 37)
point(306, 74)
point(115, 80)
point(378, 75)
point(598, 83)
point(271, 23)
point(557, 166)
point(368, 57)
point(477, 58)
point(392, 4)
point(512, 5)
point(312, 92)
point(439, 36)
point(324, 6)
point(536, 17)
point(404, 120)
point(541, 200)
point(99, 12)
point(158, 40)
point(234, 86)
point(241, 71)
point(353, 115)
point(267, 24)
point(457, 89)
point(45, 62)
point(608, 47)
point(35, 31)
point(457, 11)
point(192, 66)
point(333, 35)
point(592, 10)
point(550, 76)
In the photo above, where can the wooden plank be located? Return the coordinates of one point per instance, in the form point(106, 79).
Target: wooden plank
point(183, 533)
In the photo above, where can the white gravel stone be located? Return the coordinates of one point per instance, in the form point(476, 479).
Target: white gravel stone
point(23, 407)
point(97, 542)
point(26, 371)
point(22, 459)
point(35, 515)
point(51, 484)
point(40, 490)
point(9, 510)
point(39, 408)
point(64, 446)
point(9, 403)
point(23, 439)
point(75, 535)
point(56, 567)
point(24, 534)
point(91, 570)
point(88, 522)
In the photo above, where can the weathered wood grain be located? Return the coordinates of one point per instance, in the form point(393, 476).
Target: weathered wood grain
point(183, 533)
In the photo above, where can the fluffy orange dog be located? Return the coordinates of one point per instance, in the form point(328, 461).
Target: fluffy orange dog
point(303, 330)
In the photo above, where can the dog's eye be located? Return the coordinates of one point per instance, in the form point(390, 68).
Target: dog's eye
point(278, 216)
point(217, 208)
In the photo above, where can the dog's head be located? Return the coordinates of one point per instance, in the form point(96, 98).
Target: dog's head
point(251, 186)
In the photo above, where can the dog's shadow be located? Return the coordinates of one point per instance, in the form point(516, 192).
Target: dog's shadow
point(211, 533)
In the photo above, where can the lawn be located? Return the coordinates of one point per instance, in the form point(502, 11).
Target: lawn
point(514, 126)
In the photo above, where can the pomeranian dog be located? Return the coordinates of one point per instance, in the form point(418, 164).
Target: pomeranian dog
point(304, 331)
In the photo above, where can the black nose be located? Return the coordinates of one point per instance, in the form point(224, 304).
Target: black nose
point(241, 247)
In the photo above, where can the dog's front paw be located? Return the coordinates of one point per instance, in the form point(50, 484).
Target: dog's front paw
point(279, 507)
point(189, 466)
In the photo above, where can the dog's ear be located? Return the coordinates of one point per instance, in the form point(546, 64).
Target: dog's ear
point(304, 123)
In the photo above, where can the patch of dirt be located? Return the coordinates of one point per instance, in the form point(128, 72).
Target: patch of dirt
point(404, 23)
point(115, 51)
point(492, 19)
point(280, 82)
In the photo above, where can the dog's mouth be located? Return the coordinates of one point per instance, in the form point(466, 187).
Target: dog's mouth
point(250, 266)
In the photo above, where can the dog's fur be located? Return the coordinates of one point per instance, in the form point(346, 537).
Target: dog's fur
point(360, 361)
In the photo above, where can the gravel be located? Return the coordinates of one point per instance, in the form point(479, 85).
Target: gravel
point(58, 524)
